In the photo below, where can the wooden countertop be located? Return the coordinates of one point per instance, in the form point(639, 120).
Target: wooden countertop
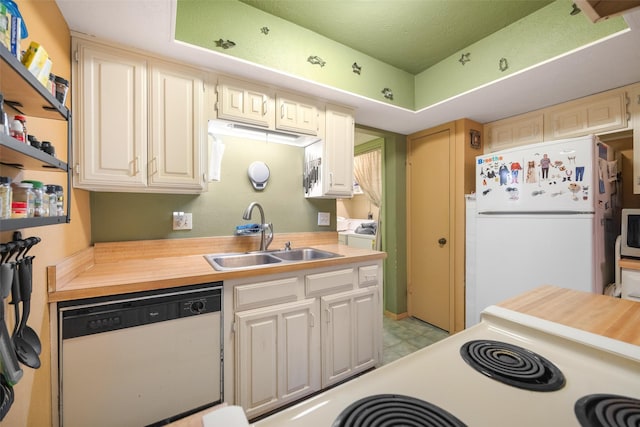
point(124, 267)
point(600, 314)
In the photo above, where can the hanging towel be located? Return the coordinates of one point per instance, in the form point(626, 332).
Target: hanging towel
point(216, 150)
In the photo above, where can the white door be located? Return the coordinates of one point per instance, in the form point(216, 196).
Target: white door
point(338, 152)
point(277, 355)
point(178, 129)
point(517, 253)
point(348, 333)
point(111, 130)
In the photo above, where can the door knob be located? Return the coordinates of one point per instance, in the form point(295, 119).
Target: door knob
point(442, 241)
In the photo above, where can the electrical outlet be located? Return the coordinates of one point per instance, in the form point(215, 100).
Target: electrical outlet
point(182, 221)
point(324, 218)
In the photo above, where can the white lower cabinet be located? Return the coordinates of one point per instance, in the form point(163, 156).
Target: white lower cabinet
point(630, 284)
point(288, 336)
point(349, 334)
point(278, 355)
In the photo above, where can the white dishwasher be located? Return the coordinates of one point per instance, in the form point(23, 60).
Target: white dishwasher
point(140, 359)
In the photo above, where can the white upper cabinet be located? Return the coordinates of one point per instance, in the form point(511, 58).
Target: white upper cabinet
point(245, 102)
point(140, 122)
point(297, 114)
point(595, 114)
point(338, 151)
point(110, 103)
point(514, 131)
point(178, 128)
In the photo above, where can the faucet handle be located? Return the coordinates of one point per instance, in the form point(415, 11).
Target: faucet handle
point(287, 246)
point(269, 237)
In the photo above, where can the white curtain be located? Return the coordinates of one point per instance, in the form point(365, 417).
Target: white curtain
point(367, 169)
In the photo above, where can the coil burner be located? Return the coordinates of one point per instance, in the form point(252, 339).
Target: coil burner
point(389, 410)
point(607, 410)
point(512, 365)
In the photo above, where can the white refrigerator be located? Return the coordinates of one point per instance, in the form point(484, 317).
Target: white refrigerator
point(539, 219)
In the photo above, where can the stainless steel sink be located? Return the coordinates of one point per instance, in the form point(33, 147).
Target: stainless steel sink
point(304, 254)
point(240, 261)
point(243, 261)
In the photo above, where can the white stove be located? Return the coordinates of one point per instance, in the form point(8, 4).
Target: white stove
point(438, 382)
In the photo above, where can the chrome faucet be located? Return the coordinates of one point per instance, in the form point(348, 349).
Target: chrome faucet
point(265, 241)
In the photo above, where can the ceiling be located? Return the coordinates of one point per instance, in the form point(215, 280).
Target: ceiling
point(411, 35)
point(149, 25)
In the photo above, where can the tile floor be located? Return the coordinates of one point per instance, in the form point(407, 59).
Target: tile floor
point(404, 336)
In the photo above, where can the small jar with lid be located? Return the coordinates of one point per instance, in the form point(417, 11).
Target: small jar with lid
point(23, 198)
point(5, 197)
point(59, 200)
point(51, 200)
point(38, 199)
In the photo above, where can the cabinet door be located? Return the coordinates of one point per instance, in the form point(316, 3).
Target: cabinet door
point(350, 329)
point(630, 284)
point(277, 355)
point(594, 114)
point(338, 152)
point(296, 114)
point(178, 128)
point(244, 102)
point(512, 132)
point(111, 109)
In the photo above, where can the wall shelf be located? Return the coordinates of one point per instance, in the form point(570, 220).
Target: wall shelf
point(25, 94)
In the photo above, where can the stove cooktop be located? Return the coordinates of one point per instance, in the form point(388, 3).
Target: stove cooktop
point(571, 378)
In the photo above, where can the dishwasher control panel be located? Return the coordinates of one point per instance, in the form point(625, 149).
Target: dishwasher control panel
point(97, 315)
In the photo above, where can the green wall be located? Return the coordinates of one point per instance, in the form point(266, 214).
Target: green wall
point(393, 215)
point(286, 47)
point(539, 37)
point(141, 216)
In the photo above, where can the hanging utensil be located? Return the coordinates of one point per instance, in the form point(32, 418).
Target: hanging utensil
point(24, 351)
point(11, 371)
point(26, 287)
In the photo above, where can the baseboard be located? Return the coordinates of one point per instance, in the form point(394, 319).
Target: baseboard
point(395, 316)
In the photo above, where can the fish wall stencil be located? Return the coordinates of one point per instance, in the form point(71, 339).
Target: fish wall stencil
point(387, 93)
point(465, 58)
point(225, 44)
point(264, 30)
point(503, 64)
point(316, 60)
point(356, 68)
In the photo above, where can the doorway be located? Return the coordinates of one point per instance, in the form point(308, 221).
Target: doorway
point(429, 223)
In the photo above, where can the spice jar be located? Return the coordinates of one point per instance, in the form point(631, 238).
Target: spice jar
point(17, 129)
point(62, 86)
point(5, 197)
point(59, 200)
point(51, 201)
point(38, 197)
point(22, 193)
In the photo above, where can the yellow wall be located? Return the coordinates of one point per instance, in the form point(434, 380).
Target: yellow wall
point(32, 406)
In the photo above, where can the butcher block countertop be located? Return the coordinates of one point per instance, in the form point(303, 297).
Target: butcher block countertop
point(123, 267)
point(600, 314)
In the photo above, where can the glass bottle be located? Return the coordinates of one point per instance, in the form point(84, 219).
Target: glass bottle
point(5, 197)
point(51, 200)
point(23, 198)
point(38, 197)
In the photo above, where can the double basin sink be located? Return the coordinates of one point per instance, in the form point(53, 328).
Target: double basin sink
point(243, 261)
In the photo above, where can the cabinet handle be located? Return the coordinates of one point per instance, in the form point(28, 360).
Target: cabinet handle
point(264, 107)
point(282, 111)
point(136, 166)
point(330, 179)
point(154, 166)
